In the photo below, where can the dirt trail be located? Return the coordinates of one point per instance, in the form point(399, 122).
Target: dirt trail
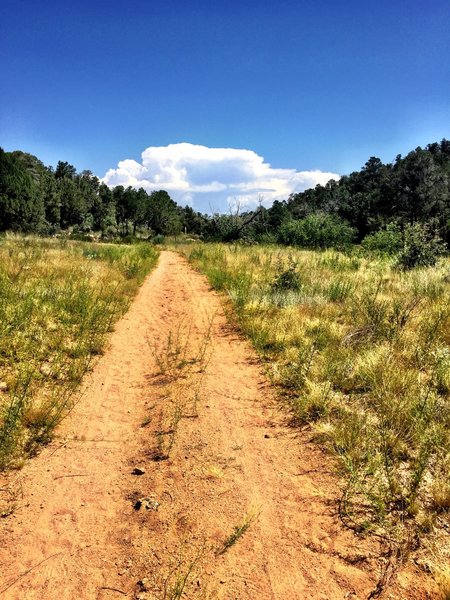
point(200, 421)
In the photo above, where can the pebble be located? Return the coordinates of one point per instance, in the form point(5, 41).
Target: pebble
point(138, 471)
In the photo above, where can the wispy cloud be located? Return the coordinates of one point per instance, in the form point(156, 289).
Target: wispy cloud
point(212, 178)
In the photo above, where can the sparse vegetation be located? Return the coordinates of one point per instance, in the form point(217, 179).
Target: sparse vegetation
point(181, 572)
point(238, 532)
point(360, 351)
point(181, 360)
point(57, 301)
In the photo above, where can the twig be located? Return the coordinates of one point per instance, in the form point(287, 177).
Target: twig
point(387, 572)
point(309, 471)
point(74, 439)
point(57, 448)
point(71, 475)
point(112, 589)
point(9, 585)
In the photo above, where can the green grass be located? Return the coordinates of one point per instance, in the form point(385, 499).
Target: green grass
point(360, 351)
point(58, 299)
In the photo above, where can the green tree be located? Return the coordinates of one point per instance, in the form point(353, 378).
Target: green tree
point(52, 201)
point(278, 213)
point(163, 215)
point(104, 210)
point(73, 203)
point(140, 200)
point(421, 189)
point(118, 194)
point(64, 170)
point(21, 199)
point(193, 222)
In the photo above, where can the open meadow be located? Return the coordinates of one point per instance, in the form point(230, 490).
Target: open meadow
point(58, 299)
point(179, 416)
point(360, 353)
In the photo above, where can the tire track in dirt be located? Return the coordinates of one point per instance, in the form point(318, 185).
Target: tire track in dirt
point(232, 454)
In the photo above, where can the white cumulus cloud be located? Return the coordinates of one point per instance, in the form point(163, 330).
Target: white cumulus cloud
point(212, 178)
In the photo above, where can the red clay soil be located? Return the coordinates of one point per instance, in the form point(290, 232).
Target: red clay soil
point(230, 501)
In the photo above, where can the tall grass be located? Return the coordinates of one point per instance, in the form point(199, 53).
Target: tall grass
point(57, 302)
point(360, 351)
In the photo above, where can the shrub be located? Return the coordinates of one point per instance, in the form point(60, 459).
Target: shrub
point(421, 248)
point(385, 241)
point(316, 231)
point(129, 238)
point(266, 238)
point(288, 279)
point(158, 239)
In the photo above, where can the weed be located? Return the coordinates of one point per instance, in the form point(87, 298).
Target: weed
point(181, 360)
point(175, 356)
point(171, 357)
point(339, 290)
point(287, 279)
point(172, 584)
point(237, 532)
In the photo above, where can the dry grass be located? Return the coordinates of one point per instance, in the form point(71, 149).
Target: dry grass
point(181, 359)
point(361, 352)
point(57, 302)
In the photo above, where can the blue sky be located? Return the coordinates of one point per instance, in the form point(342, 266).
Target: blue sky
point(310, 86)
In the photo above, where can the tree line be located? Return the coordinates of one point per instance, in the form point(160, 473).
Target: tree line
point(379, 200)
point(412, 190)
point(39, 199)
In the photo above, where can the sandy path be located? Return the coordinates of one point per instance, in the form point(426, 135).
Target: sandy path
point(230, 455)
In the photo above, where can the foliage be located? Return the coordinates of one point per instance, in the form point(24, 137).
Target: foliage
point(35, 198)
point(360, 206)
point(387, 240)
point(287, 278)
point(421, 248)
point(316, 231)
point(162, 214)
point(412, 188)
point(21, 199)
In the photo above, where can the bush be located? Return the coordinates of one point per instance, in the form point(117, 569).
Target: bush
point(288, 279)
point(385, 241)
point(317, 231)
point(421, 247)
point(129, 238)
point(266, 238)
point(159, 239)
